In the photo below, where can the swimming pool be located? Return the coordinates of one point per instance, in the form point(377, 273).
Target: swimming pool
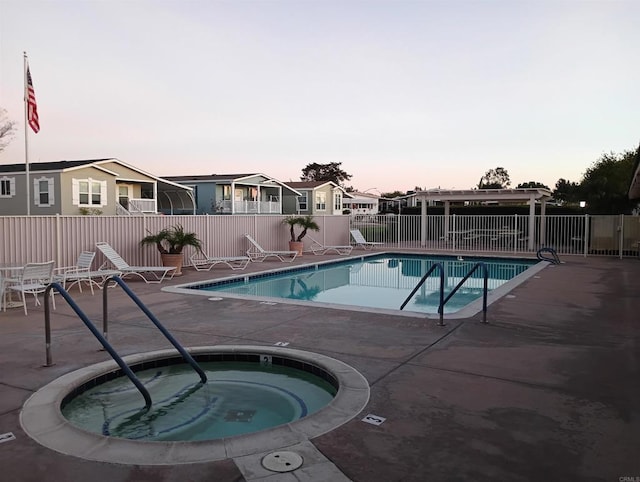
point(376, 282)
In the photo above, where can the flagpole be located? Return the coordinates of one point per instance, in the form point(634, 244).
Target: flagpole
point(26, 135)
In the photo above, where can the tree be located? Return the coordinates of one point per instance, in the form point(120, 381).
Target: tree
point(391, 195)
point(497, 178)
point(605, 185)
point(7, 129)
point(567, 192)
point(531, 184)
point(325, 172)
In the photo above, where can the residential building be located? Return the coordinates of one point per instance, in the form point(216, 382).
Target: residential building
point(236, 193)
point(362, 203)
point(314, 198)
point(95, 186)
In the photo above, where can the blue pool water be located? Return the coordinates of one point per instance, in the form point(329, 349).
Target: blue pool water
point(380, 282)
point(238, 398)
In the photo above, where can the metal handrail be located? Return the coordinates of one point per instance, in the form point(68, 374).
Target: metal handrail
point(485, 273)
point(103, 341)
point(421, 282)
point(185, 355)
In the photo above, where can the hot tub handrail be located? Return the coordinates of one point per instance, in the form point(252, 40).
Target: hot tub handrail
point(185, 355)
point(421, 282)
point(485, 275)
point(103, 341)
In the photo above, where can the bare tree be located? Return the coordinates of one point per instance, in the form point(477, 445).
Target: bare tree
point(7, 129)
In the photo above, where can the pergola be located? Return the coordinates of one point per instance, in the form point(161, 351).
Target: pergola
point(447, 196)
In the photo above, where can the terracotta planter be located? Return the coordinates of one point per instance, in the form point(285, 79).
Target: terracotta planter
point(296, 246)
point(173, 260)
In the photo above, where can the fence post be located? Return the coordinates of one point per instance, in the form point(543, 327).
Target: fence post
point(586, 236)
point(621, 235)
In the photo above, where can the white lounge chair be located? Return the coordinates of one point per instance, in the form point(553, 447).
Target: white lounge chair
point(361, 241)
point(81, 273)
point(259, 254)
point(34, 279)
point(318, 248)
point(159, 272)
point(202, 262)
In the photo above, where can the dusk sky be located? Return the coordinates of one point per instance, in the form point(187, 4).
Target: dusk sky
point(402, 93)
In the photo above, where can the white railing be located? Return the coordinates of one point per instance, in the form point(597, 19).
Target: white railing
point(142, 206)
point(249, 207)
point(615, 235)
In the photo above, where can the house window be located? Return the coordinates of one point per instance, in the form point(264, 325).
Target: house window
point(337, 201)
point(321, 201)
point(88, 192)
point(7, 186)
point(226, 193)
point(43, 195)
point(302, 202)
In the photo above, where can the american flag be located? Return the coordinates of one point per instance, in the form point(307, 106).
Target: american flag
point(32, 108)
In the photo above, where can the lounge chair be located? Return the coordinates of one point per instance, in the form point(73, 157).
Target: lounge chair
point(259, 254)
point(81, 273)
point(318, 248)
point(361, 241)
point(202, 262)
point(159, 272)
point(34, 279)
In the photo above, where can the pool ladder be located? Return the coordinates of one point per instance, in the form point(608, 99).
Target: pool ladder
point(102, 337)
point(443, 300)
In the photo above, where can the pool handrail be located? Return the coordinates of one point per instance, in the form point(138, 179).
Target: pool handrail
point(103, 341)
point(421, 282)
point(120, 282)
point(485, 275)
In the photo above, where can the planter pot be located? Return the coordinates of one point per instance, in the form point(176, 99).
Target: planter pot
point(173, 260)
point(296, 246)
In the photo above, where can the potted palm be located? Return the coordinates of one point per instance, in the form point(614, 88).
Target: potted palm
point(170, 242)
point(304, 223)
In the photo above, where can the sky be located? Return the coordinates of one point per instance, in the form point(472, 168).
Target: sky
point(403, 94)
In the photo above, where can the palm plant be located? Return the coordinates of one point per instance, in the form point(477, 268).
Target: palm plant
point(304, 222)
point(172, 240)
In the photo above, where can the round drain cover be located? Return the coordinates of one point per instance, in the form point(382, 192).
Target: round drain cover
point(282, 461)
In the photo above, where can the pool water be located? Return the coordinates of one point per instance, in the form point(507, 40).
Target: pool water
point(378, 282)
point(239, 398)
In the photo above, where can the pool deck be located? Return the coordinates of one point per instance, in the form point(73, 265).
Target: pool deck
point(548, 390)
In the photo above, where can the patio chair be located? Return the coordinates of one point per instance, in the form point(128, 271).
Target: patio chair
point(160, 273)
point(259, 254)
point(361, 241)
point(318, 248)
point(81, 273)
point(34, 279)
point(203, 262)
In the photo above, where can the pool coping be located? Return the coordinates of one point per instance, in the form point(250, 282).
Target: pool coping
point(467, 311)
point(42, 420)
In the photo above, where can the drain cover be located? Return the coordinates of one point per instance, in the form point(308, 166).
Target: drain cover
point(282, 461)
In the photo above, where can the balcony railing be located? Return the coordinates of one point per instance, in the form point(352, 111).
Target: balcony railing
point(142, 206)
point(249, 207)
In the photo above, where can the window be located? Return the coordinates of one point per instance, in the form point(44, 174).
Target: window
point(226, 192)
point(302, 202)
point(7, 186)
point(321, 201)
point(43, 195)
point(337, 201)
point(89, 192)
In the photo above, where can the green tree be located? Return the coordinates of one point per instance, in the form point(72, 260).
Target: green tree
point(325, 172)
point(531, 184)
point(605, 185)
point(497, 178)
point(567, 192)
point(391, 195)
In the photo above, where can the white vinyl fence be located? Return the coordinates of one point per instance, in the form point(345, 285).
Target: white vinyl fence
point(62, 238)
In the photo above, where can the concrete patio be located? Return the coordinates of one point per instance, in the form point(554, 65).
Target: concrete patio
point(548, 390)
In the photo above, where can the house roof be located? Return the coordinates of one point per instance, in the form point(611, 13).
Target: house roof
point(214, 177)
point(308, 184)
point(236, 178)
point(68, 165)
point(483, 194)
